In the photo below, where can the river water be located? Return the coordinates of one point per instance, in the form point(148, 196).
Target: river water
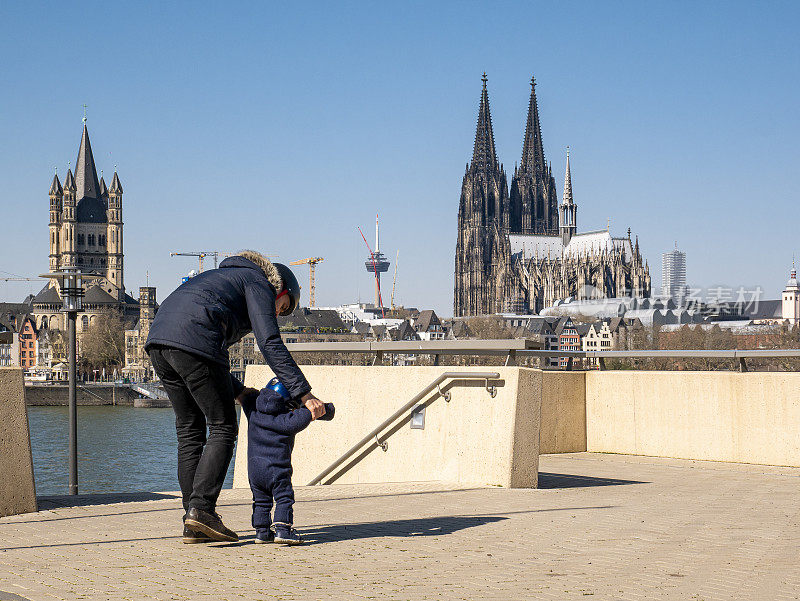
point(120, 449)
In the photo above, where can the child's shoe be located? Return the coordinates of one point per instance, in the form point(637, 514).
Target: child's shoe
point(285, 534)
point(264, 536)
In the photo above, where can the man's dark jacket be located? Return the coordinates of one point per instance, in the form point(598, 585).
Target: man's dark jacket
point(215, 309)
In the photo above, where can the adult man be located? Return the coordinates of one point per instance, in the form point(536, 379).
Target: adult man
point(188, 346)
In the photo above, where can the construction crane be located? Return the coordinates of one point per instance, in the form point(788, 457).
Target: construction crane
point(312, 264)
point(19, 279)
point(202, 255)
point(209, 253)
point(394, 280)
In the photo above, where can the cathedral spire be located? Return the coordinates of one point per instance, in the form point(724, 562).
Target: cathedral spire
point(568, 184)
point(483, 154)
point(532, 148)
point(569, 212)
point(85, 173)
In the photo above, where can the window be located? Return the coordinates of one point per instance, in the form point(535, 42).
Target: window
point(80, 239)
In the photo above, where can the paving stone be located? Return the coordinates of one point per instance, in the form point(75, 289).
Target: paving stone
point(600, 526)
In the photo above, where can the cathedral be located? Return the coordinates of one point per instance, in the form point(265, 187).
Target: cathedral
point(85, 232)
point(520, 251)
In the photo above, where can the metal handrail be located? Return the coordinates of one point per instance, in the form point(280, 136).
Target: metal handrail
point(373, 435)
point(526, 347)
point(432, 347)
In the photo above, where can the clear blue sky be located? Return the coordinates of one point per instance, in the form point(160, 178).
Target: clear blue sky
point(282, 127)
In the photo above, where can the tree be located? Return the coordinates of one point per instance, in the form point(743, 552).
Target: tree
point(103, 343)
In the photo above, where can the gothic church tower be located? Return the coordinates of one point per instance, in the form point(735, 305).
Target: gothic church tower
point(484, 220)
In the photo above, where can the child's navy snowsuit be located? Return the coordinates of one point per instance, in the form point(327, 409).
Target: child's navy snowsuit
point(271, 427)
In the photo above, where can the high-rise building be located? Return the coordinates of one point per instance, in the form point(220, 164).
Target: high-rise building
point(673, 276)
point(513, 252)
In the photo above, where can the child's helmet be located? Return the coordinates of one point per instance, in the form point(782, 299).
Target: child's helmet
point(277, 386)
point(290, 285)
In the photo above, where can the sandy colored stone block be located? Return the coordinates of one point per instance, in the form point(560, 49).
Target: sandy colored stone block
point(719, 416)
point(563, 428)
point(17, 490)
point(474, 438)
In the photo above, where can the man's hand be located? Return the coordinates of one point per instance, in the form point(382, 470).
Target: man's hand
point(314, 405)
point(246, 392)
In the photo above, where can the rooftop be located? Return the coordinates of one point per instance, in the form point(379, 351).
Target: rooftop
point(607, 526)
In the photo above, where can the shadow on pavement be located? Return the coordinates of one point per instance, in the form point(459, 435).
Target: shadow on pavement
point(547, 480)
point(436, 526)
point(61, 501)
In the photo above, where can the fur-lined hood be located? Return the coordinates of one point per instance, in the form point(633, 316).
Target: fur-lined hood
point(266, 266)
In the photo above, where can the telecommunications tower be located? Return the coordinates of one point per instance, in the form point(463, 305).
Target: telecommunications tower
point(376, 264)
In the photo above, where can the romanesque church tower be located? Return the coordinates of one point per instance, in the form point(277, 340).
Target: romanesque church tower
point(86, 223)
point(484, 220)
point(85, 232)
point(533, 187)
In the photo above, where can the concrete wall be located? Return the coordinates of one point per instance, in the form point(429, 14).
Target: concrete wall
point(472, 439)
point(720, 416)
point(17, 491)
point(88, 395)
point(563, 412)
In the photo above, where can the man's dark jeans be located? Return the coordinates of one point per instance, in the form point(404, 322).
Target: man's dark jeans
point(201, 393)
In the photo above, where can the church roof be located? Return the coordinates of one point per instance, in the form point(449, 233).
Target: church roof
point(69, 182)
point(586, 243)
point(484, 155)
point(103, 188)
point(97, 296)
point(47, 296)
point(85, 172)
point(55, 187)
point(116, 186)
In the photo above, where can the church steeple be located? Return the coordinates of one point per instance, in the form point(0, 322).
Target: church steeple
point(85, 172)
point(569, 212)
point(69, 181)
point(568, 184)
point(55, 188)
point(532, 147)
point(484, 155)
point(116, 187)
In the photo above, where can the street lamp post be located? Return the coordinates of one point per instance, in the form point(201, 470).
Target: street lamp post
point(70, 280)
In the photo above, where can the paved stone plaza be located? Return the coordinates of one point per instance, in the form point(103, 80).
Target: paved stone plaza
point(607, 526)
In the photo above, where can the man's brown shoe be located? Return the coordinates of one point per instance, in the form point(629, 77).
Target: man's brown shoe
point(191, 537)
point(210, 524)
